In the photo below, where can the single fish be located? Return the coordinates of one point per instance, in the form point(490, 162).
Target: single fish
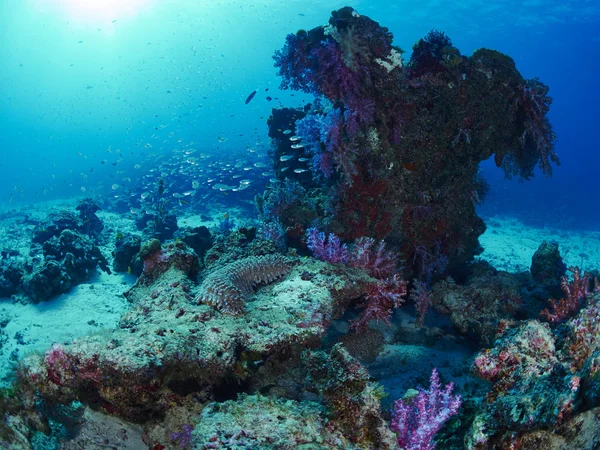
point(284, 158)
point(296, 146)
point(250, 97)
point(300, 170)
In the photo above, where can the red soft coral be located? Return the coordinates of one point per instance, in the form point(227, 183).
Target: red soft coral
point(575, 292)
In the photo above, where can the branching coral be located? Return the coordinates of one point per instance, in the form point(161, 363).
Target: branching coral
point(534, 104)
point(379, 303)
point(227, 288)
point(575, 293)
point(327, 248)
point(421, 296)
point(417, 420)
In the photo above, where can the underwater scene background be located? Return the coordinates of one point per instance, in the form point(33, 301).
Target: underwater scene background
point(299, 225)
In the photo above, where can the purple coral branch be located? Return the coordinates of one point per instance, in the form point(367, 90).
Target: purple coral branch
point(416, 421)
point(327, 248)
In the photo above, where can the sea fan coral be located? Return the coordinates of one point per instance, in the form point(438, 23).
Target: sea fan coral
point(227, 287)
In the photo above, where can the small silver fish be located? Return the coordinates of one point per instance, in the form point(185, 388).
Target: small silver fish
point(300, 170)
point(287, 132)
point(303, 159)
point(295, 138)
point(284, 158)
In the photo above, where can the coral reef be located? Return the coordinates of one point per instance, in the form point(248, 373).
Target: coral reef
point(90, 222)
point(167, 348)
point(69, 259)
point(270, 334)
point(541, 378)
point(351, 398)
point(198, 239)
point(126, 254)
point(417, 419)
point(547, 265)
point(400, 143)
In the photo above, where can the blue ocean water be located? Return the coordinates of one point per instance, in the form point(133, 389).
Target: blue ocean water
point(159, 111)
point(79, 80)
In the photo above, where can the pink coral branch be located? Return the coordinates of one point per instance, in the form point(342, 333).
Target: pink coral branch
point(575, 292)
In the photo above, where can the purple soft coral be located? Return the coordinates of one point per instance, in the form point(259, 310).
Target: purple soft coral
point(366, 254)
point(416, 421)
point(326, 248)
point(184, 437)
point(293, 62)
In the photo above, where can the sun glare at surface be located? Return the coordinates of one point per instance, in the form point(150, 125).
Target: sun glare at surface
point(92, 12)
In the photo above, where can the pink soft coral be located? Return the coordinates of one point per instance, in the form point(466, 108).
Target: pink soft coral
point(372, 256)
point(575, 293)
point(380, 301)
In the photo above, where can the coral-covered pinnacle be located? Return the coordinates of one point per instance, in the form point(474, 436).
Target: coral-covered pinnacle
point(227, 287)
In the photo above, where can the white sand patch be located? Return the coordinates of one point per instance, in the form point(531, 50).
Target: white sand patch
point(87, 309)
point(509, 245)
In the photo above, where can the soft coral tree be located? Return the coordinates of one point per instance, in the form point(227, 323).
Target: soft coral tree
point(383, 295)
point(534, 104)
point(381, 299)
point(575, 291)
point(326, 248)
point(416, 421)
point(373, 257)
